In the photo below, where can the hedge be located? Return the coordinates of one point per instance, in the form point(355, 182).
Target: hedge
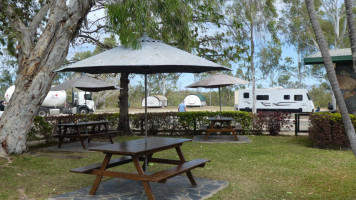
point(326, 130)
point(168, 123)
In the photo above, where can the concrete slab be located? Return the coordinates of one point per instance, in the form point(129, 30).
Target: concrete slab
point(74, 147)
point(178, 187)
point(221, 139)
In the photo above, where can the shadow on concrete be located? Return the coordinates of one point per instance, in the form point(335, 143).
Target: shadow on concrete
point(177, 187)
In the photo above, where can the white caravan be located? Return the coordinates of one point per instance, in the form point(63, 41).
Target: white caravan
point(275, 99)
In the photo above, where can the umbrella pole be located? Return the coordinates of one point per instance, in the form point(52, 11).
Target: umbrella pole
point(220, 100)
point(146, 120)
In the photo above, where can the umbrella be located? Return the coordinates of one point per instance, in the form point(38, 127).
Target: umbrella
point(86, 84)
point(154, 56)
point(217, 81)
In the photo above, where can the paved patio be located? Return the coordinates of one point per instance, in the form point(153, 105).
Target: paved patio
point(74, 147)
point(176, 188)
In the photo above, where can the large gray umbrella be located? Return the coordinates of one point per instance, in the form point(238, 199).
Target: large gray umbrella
point(86, 84)
point(153, 57)
point(217, 81)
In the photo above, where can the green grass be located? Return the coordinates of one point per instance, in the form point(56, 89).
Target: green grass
point(282, 167)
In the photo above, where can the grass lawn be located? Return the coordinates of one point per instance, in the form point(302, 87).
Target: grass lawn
point(282, 167)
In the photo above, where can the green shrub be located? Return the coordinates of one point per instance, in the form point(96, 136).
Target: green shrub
point(326, 130)
point(41, 129)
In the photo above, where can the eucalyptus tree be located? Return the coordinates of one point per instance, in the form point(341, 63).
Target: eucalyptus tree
point(249, 19)
point(297, 31)
point(272, 66)
point(323, 46)
point(42, 32)
point(175, 22)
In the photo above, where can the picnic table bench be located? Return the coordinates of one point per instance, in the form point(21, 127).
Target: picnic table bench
point(78, 132)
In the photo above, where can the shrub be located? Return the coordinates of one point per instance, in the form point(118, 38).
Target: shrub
point(271, 121)
point(326, 130)
point(41, 129)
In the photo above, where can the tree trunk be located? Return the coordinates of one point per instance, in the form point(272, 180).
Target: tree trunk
point(38, 57)
point(124, 126)
point(254, 110)
point(350, 131)
point(352, 29)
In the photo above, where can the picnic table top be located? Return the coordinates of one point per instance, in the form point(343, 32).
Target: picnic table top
point(88, 123)
point(138, 147)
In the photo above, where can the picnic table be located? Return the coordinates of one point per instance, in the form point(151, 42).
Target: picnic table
point(225, 126)
point(134, 152)
point(76, 130)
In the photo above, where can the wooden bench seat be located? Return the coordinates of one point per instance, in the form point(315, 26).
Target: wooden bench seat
point(162, 176)
point(112, 163)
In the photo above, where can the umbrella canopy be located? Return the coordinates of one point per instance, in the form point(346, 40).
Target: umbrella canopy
point(153, 57)
point(86, 84)
point(217, 81)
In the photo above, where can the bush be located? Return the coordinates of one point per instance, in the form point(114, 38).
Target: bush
point(326, 130)
point(272, 122)
point(41, 129)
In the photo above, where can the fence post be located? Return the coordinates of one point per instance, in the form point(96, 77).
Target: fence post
point(195, 126)
point(296, 129)
point(142, 132)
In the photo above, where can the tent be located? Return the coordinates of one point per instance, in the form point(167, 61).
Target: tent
point(155, 101)
point(193, 100)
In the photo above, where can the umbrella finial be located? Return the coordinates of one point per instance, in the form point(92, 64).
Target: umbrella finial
point(146, 38)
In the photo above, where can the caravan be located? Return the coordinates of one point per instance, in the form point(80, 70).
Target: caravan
point(275, 99)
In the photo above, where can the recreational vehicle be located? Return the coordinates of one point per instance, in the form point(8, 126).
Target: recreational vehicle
point(275, 99)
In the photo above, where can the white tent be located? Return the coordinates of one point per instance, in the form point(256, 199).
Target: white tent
point(195, 100)
point(155, 101)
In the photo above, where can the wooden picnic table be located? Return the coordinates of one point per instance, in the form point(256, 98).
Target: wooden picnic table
point(134, 152)
point(83, 130)
point(225, 126)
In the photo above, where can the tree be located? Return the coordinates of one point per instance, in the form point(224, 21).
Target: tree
point(271, 64)
point(175, 22)
point(352, 29)
point(247, 18)
point(43, 31)
point(349, 129)
point(298, 33)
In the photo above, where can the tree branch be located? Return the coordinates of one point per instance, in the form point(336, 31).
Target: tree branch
point(96, 41)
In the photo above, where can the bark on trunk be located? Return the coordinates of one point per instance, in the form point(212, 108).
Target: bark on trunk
point(350, 131)
point(124, 126)
point(38, 57)
point(352, 29)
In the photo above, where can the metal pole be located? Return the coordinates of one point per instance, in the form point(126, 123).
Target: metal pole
point(146, 108)
point(220, 100)
point(146, 121)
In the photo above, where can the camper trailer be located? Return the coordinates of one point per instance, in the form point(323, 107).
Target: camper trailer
point(195, 100)
point(155, 101)
point(275, 99)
